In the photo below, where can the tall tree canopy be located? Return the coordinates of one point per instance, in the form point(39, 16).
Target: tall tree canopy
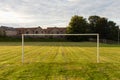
point(92, 23)
point(78, 24)
point(107, 29)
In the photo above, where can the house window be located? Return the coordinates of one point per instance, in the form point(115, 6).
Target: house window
point(33, 31)
point(36, 32)
point(61, 31)
point(42, 31)
point(57, 32)
point(27, 32)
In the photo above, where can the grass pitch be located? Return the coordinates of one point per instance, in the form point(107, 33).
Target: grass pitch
point(59, 61)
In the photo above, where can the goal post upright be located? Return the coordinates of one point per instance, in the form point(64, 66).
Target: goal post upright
point(97, 54)
point(22, 48)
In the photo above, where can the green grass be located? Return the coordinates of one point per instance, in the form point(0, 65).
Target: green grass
point(59, 61)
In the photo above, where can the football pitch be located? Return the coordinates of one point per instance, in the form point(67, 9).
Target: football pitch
point(59, 61)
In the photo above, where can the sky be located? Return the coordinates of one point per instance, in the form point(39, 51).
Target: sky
point(51, 13)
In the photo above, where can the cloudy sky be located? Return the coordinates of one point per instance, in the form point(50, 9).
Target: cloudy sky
point(45, 13)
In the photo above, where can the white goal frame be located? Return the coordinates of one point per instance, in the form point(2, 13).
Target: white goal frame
point(97, 53)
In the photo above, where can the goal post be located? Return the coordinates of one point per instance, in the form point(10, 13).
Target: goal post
point(97, 35)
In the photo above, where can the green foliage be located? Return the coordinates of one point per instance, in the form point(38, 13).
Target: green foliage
point(93, 19)
point(10, 39)
point(30, 39)
point(107, 29)
point(78, 24)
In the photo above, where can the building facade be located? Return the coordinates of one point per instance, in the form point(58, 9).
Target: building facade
point(2, 31)
point(9, 31)
point(39, 30)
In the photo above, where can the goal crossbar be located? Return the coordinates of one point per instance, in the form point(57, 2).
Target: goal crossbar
point(64, 34)
point(97, 55)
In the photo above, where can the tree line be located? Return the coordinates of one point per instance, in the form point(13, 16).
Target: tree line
point(107, 29)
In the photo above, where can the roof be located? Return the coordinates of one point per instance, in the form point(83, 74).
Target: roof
point(59, 28)
point(49, 29)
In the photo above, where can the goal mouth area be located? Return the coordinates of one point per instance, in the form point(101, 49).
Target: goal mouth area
point(68, 44)
point(90, 40)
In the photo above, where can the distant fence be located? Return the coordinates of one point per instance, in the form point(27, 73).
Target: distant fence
point(104, 41)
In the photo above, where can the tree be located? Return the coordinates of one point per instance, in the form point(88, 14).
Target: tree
point(114, 29)
point(103, 28)
point(92, 23)
point(106, 29)
point(93, 19)
point(77, 25)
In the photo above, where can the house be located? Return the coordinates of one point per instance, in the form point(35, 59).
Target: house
point(10, 31)
point(7, 31)
point(39, 30)
point(2, 31)
point(55, 30)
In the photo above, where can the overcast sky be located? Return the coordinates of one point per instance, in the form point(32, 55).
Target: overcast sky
point(47, 13)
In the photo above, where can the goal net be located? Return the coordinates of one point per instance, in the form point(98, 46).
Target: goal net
point(60, 48)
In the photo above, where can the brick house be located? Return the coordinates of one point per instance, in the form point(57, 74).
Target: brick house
point(7, 31)
point(10, 31)
point(2, 31)
point(39, 30)
point(55, 30)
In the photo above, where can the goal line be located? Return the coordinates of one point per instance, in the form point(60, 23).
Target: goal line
point(97, 52)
